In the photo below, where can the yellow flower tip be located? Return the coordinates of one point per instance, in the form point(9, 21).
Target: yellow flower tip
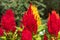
point(36, 14)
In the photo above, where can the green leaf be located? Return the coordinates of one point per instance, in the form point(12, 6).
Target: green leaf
point(37, 37)
point(3, 37)
point(14, 4)
point(26, 5)
point(41, 27)
point(39, 4)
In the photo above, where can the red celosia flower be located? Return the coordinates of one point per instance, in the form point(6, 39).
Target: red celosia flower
point(1, 32)
point(8, 21)
point(59, 24)
point(29, 22)
point(26, 35)
point(45, 37)
point(53, 23)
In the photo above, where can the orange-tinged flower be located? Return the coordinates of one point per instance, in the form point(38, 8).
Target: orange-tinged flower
point(8, 21)
point(53, 27)
point(36, 14)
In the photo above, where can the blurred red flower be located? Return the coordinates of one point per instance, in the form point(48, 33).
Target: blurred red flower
point(1, 32)
point(45, 37)
point(29, 22)
point(53, 23)
point(8, 21)
point(26, 35)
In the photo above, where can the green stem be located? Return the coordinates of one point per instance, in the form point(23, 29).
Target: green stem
point(13, 38)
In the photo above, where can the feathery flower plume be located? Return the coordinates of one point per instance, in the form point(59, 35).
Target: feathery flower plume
point(53, 23)
point(26, 35)
point(8, 21)
point(29, 21)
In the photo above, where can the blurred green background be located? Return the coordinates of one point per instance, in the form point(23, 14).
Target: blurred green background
point(20, 6)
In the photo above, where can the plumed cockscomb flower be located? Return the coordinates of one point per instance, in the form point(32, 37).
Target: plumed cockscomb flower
point(8, 21)
point(53, 23)
point(1, 32)
point(26, 35)
point(36, 14)
point(45, 37)
point(29, 22)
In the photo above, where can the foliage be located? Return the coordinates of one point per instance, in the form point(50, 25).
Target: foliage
point(20, 6)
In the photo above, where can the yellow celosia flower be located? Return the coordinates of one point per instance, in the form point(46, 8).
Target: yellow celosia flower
point(36, 14)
